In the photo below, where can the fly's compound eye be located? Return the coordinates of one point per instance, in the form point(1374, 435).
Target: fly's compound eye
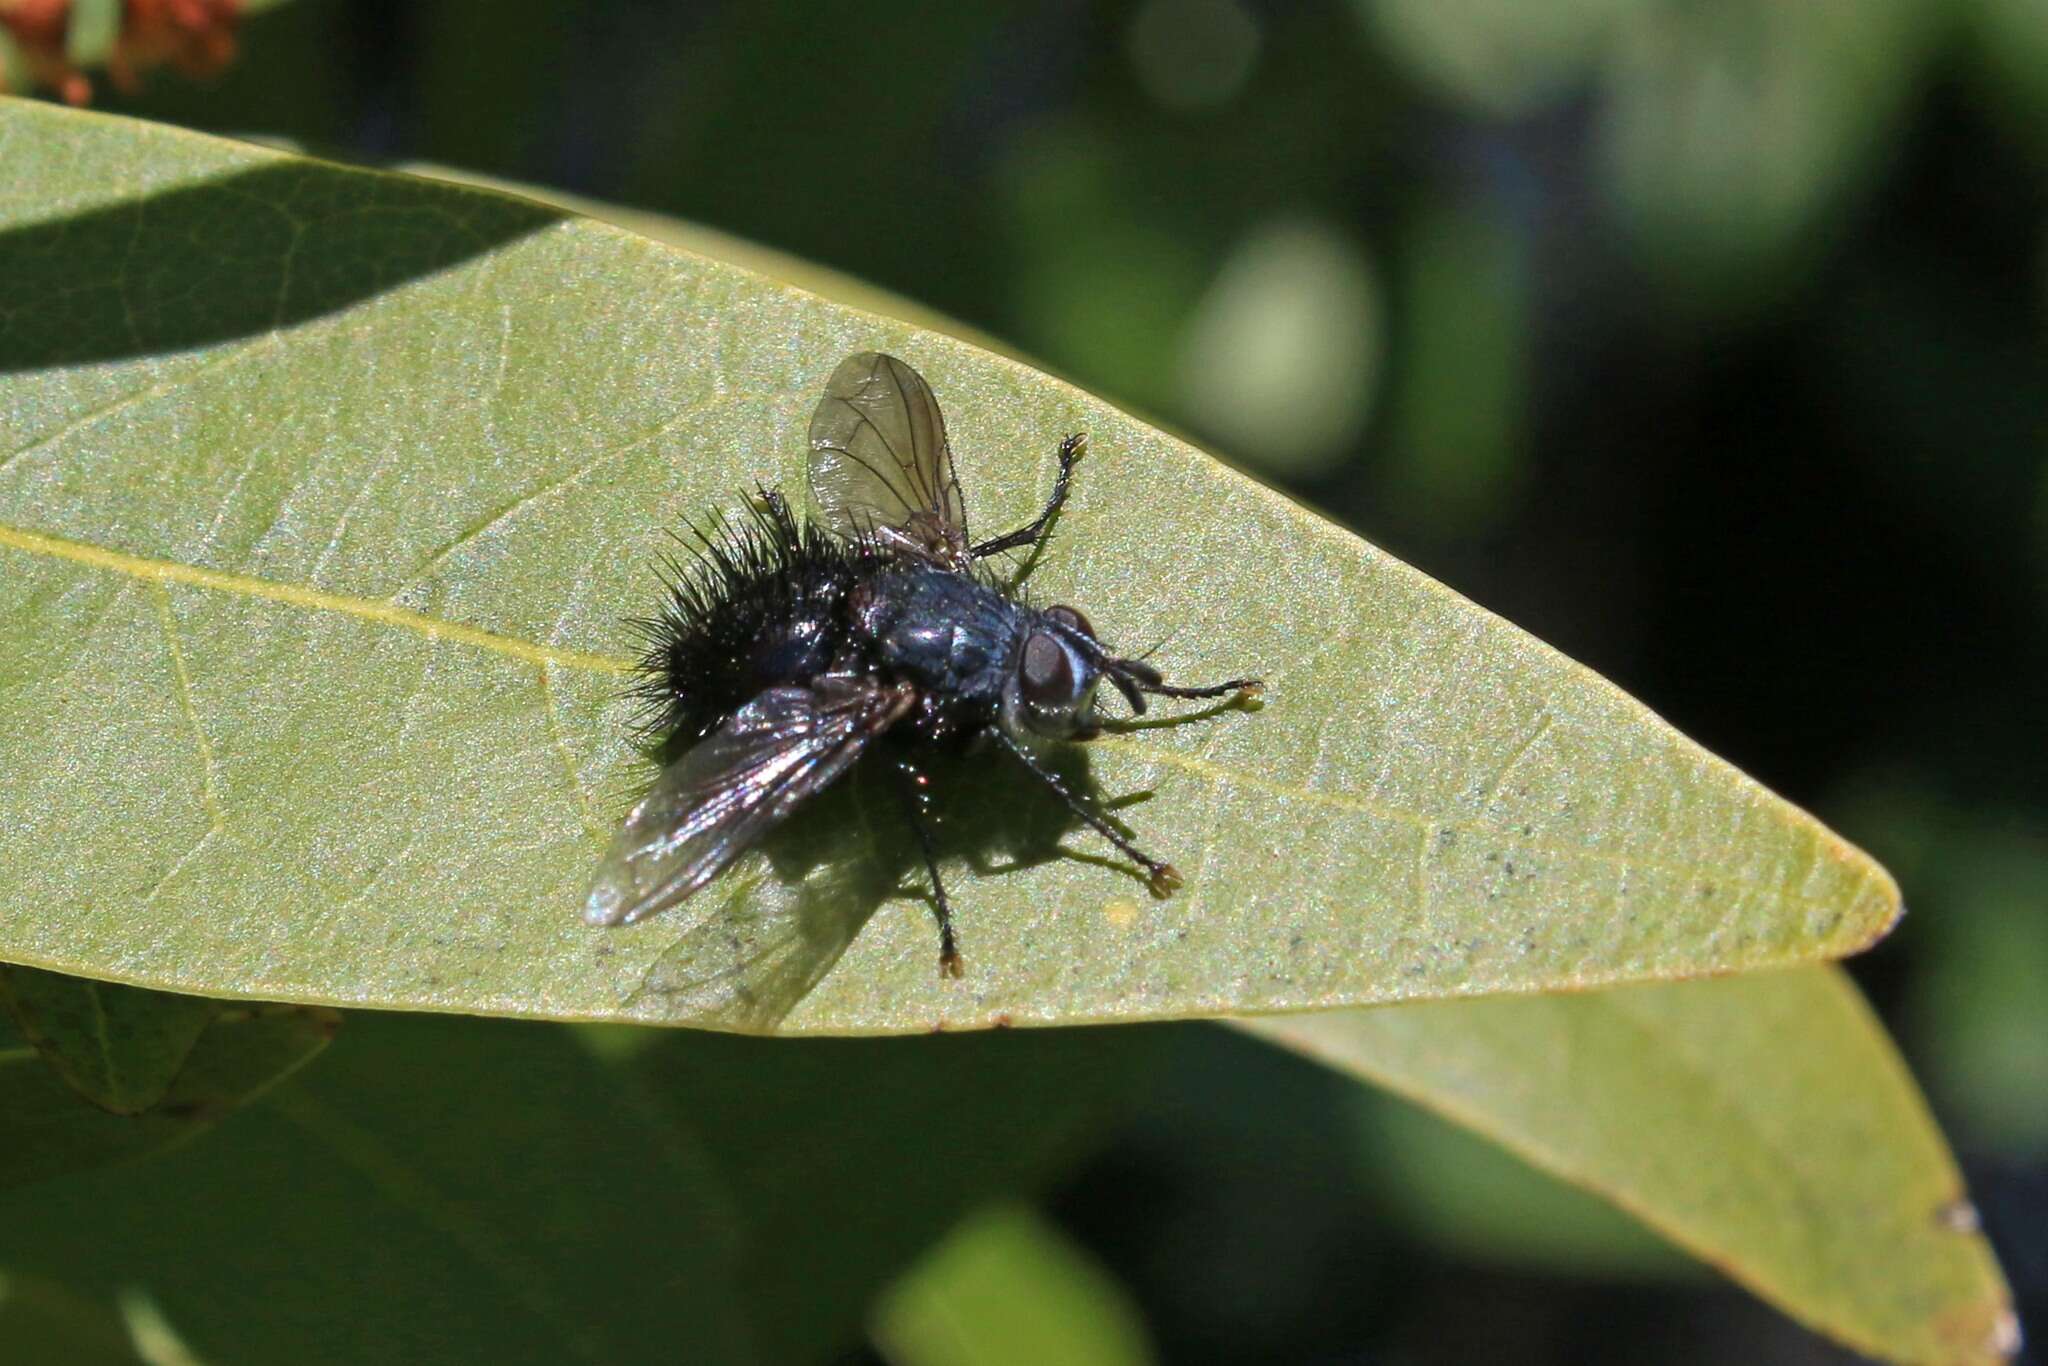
point(1047, 672)
point(1071, 618)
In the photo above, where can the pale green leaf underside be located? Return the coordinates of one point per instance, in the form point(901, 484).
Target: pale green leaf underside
point(1764, 1124)
point(323, 494)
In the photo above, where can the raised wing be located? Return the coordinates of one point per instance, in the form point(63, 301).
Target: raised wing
point(735, 785)
point(880, 468)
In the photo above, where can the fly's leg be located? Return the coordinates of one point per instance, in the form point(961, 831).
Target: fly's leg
point(1071, 450)
point(915, 785)
point(1160, 876)
point(1246, 689)
point(1134, 678)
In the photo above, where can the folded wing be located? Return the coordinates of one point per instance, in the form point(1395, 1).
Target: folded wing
point(718, 800)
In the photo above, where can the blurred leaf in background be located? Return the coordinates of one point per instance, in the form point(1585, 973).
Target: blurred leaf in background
point(1979, 1009)
point(119, 1047)
point(1734, 134)
point(1975, 1018)
point(1281, 359)
point(1006, 1288)
point(1096, 280)
point(1456, 445)
point(1466, 1196)
point(1497, 57)
point(101, 1073)
point(470, 1190)
point(1191, 55)
point(43, 1322)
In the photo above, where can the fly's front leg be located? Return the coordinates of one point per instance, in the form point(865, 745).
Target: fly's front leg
point(915, 785)
point(1246, 689)
point(1071, 451)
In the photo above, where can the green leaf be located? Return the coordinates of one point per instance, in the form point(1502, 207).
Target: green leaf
point(1009, 1289)
point(323, 496)
point(47, 1128)
point(1479, 1030)
point(1471, 1198)
point(1764, 1124)
point(454, 1190)
point(119, 1047)
point(850, 1157)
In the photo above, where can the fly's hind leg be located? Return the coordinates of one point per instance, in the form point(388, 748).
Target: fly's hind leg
point(915, 785)
point(1071, 451)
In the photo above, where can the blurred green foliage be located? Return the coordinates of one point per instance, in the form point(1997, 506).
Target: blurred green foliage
point(1007, 1288)
point(464, 1190)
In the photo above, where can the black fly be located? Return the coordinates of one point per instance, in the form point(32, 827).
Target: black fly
point(787, 649)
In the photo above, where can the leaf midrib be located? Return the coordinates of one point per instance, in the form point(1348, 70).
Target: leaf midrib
point(311, 599)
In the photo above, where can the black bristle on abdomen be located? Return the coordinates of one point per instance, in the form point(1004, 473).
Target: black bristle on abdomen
point(757, 602)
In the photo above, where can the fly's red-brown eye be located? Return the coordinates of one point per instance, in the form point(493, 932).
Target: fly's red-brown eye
point(1071, 617)
point(1047, 674)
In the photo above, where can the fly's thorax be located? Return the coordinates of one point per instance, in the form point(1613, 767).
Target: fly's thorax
point(948, 633)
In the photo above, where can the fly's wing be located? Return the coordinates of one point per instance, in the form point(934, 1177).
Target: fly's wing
point(880, 468)
point(735, 785)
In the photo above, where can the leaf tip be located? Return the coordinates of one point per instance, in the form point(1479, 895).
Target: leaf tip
point(1987, 1332)
point(1877, 906)
point(1852, 900)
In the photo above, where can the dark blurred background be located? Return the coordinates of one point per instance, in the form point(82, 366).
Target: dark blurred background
point(1704, 341)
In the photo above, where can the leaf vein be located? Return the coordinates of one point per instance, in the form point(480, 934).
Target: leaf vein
point(348, 512)
point(520, 504)
point(301, 596)
point(552, 706)
point(181, 680)
point(1513, 761)
point(129, 400)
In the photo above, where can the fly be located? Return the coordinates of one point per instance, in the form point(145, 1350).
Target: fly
point(787, 650)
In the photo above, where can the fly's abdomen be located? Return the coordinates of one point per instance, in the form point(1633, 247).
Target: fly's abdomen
point(760, 606)
point(793, 649)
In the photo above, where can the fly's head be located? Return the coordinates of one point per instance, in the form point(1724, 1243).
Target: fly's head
point(1051, 691)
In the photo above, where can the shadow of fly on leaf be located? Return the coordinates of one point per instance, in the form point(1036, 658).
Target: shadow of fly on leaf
point(760, 939)
point(785, 651)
